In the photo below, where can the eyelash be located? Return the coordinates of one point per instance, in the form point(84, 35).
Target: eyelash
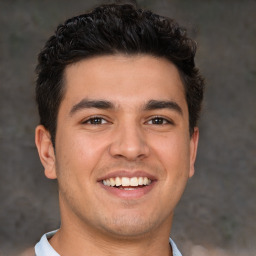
point(164, 120)
point(93, 118)
point(97, 120)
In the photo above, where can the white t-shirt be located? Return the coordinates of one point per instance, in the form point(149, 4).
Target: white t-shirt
point(43, 247)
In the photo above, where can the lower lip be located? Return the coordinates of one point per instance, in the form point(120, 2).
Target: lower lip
point(129, 194)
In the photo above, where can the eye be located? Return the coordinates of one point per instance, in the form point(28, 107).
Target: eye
point(159, 121)
point(95, 120)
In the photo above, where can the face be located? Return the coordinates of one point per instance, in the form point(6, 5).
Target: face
point(123, 149)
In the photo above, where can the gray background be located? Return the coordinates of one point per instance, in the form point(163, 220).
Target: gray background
point(217, 215)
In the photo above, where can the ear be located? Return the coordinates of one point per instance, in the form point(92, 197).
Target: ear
point(46, 151)
point(193, 150)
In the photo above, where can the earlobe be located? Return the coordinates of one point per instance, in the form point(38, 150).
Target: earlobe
point(45, 151)
point(193, 150)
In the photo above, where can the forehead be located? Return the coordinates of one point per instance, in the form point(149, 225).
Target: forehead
point(123, 79)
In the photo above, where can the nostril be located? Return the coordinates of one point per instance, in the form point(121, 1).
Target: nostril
point(129, 151)
point(129, 140)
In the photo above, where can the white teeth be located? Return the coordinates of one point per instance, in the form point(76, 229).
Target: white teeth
point(126, 182)
point(134, 181)
point(118, 181)
point(140, 180)
point(145, 181)
point(112, 182)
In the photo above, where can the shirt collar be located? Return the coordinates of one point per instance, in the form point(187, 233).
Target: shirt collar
point(43, 247)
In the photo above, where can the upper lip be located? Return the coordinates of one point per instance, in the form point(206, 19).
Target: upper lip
point(128, 174)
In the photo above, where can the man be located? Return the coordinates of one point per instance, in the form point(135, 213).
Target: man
point(119, 97)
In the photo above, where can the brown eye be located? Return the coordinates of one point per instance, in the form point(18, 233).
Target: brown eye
point(158, 121)
point(95, 121)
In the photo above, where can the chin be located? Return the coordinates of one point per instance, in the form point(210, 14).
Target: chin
point(130, 227)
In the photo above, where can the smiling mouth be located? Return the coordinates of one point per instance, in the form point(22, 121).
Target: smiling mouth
point(126, 183)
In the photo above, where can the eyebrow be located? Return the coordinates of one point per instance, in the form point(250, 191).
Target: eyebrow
point(85, 103)
point(104, 104)
point(161, 104)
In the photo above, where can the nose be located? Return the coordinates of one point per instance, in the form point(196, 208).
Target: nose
point(129, 143)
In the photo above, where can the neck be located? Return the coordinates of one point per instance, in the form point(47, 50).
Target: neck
point(78, 241)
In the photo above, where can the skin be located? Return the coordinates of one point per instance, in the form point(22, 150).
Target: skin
point(129, 136)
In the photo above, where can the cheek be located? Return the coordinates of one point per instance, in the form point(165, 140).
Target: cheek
point(81, 152)
point(173, 154)
point(172, 150)
point(75, 162)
